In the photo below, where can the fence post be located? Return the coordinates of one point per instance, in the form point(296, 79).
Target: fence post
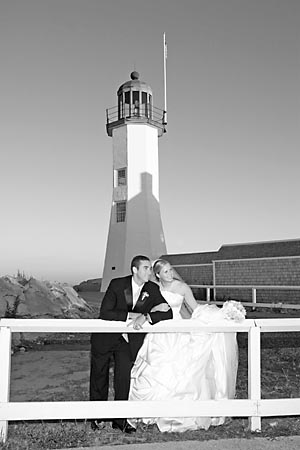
point(253, 298)
point(254, 376)
point(208, 294)
point(5, 358)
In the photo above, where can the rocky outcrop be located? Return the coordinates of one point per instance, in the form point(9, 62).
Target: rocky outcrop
point(22, 298)
point(93, 285)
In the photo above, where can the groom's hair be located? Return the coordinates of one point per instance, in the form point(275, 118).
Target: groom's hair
point(136, 261)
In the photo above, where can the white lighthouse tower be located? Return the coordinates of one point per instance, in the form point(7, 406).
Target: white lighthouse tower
point(135, 222)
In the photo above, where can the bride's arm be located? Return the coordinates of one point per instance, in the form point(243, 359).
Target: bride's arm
point(189, 297)
point(162, 307)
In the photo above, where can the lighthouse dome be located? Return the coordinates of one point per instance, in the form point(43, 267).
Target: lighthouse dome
point(134, 84)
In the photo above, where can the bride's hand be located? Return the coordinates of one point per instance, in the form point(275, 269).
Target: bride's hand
point(162, 307)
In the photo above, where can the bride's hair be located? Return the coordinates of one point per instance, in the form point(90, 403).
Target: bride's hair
point(159, 264)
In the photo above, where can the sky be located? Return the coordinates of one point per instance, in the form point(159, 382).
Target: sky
point(229, 162)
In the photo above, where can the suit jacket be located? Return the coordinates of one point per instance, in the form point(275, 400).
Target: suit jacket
point(116, 304)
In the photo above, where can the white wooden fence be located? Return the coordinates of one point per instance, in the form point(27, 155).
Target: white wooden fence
point(253, 288)
point(254, 407)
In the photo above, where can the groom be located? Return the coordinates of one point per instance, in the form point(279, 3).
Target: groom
point(133, 297)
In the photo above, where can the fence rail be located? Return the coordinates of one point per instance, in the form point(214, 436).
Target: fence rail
point(254, 407)
point(254, 289)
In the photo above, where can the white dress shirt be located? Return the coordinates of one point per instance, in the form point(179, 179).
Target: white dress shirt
point(136, 290)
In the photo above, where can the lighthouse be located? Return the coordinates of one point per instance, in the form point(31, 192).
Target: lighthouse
point(135, 125)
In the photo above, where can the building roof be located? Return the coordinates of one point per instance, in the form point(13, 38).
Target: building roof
point(269, 249)
point(191, 258)
point(260, 250)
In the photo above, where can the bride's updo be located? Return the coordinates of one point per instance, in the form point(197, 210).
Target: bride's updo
point(157, 266)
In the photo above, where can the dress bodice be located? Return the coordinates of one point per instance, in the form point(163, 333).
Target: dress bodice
point(175, 300)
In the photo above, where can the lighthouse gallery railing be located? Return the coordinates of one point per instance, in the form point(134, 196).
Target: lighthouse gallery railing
point(141, 113)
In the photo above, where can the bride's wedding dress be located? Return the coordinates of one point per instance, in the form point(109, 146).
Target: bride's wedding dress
point(189, 366)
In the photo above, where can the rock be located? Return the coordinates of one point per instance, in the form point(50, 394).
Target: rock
point(33, 299)
point(40, 299)
point(11, 295)
point(93, 285)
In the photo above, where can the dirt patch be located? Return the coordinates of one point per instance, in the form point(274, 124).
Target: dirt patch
point(50, 375)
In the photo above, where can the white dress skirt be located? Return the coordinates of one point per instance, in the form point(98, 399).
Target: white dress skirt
point(187, 366)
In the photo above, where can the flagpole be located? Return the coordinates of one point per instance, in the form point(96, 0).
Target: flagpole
point(165, 81)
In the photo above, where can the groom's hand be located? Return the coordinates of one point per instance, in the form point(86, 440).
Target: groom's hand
point(132, 316)
point(139, 322)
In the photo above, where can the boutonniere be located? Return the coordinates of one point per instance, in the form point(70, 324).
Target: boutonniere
point(145, 294)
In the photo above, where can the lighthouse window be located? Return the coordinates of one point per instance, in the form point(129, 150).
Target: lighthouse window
point(144, 97)
point(127, 97)
point(150, 105)
point(135, 97)
point(120, 107)
point(122, 177)
point(136, 103)
point(121, 211)
point(144, 104)
point(127, 109)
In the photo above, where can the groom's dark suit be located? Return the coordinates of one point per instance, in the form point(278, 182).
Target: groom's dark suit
point(116, 305)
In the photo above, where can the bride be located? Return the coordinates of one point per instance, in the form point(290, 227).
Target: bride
point(174, 366)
